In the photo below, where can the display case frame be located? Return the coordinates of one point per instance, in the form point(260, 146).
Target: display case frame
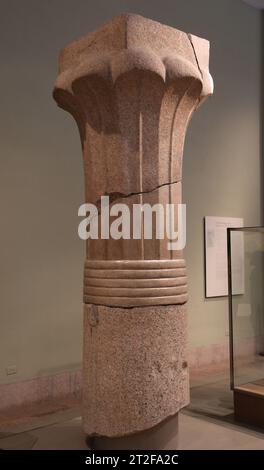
point(248, 397)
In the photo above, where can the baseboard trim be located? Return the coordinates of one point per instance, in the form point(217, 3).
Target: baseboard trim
point(44, 388)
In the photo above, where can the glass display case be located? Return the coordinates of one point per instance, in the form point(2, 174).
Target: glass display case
point(246, 317)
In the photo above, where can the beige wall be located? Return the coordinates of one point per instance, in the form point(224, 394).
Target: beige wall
point(41, 182)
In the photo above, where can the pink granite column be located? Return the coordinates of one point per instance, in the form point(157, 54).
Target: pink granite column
point(132, 87)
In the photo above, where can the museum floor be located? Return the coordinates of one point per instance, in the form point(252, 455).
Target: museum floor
point(206, 424)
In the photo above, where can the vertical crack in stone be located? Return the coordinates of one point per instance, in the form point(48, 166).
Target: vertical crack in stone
point(94, 318)
point(195, 55)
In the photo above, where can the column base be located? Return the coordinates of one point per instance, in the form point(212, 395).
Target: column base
point(135, 373)
point(161, 437)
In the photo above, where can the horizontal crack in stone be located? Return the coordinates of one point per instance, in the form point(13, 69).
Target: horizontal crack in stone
point(113, 196)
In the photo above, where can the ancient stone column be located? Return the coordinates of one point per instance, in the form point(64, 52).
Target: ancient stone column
point(132, 87)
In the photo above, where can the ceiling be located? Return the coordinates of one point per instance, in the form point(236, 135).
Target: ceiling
point(255, 3)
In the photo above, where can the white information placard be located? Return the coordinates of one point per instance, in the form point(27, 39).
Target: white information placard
point(216, 256)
